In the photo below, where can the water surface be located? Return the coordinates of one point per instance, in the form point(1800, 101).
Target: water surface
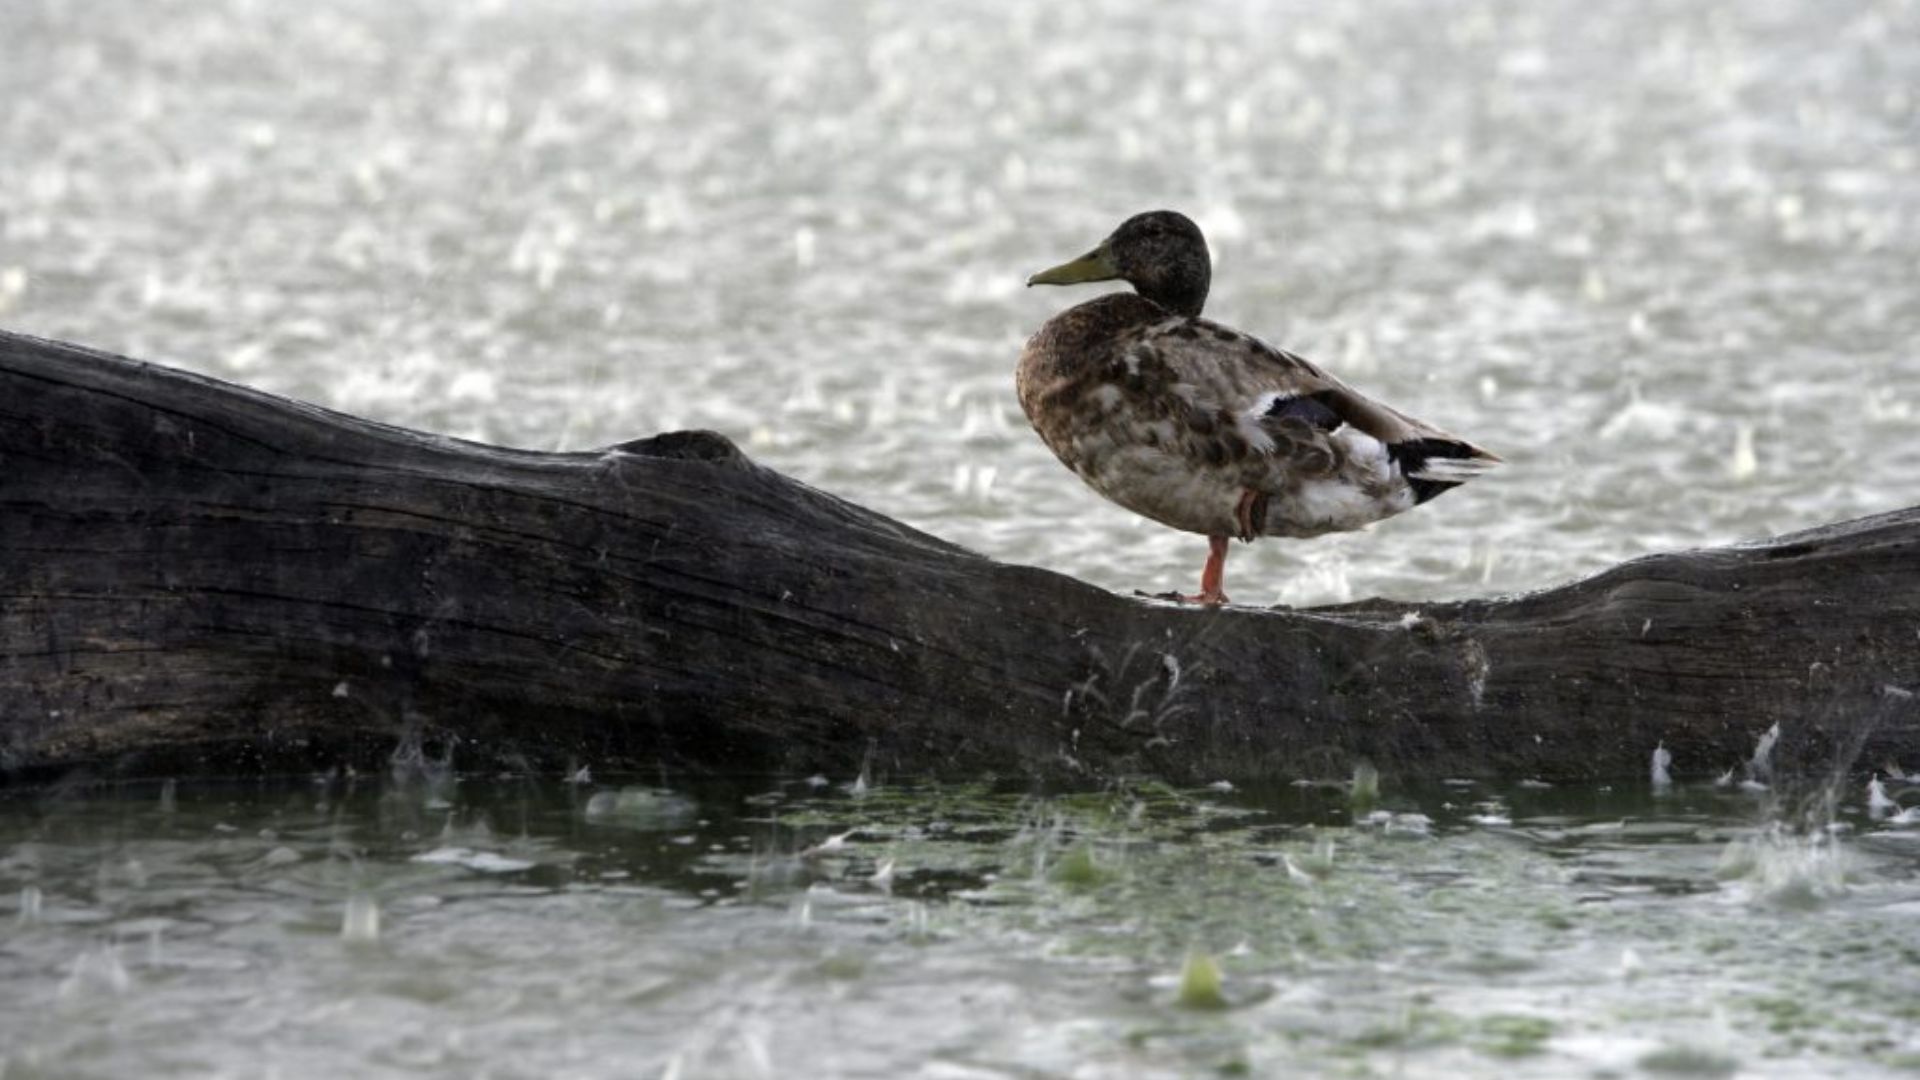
point(765, 928)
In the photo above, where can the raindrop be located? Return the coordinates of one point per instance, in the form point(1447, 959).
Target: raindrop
point(96, 969)
point(830, 846)
point(1365, 787)
point(1760, 769)
point(361, 925)
point(1630, 964)
point(919, 920)
point(1879, 804)
point(1743, 464)
point(30, 904)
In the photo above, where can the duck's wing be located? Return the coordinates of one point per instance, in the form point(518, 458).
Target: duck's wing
point(1286, 406)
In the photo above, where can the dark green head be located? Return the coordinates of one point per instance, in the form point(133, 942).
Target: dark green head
point(1161, 254)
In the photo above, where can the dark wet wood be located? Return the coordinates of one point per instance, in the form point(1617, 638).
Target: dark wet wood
point(201, 578)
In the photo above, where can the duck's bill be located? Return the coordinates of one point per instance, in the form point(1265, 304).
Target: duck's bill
point(1093, 266)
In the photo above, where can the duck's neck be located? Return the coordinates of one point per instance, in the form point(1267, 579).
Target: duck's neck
point(1181, 298)
point(1180, 286)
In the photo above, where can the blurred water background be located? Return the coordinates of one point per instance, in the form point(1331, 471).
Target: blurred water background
point(1659, 254)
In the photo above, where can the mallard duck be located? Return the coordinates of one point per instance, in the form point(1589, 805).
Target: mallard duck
point(1203, 428)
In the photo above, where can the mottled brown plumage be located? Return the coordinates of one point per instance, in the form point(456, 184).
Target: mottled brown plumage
point(1206, 429)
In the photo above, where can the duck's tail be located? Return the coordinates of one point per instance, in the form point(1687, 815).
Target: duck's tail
point(1434, 464)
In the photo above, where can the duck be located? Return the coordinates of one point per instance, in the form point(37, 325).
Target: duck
point(1209, 430)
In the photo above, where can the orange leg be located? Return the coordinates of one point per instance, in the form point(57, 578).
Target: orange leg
point(1213, 578)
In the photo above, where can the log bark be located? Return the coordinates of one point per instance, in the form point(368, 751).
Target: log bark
point(198, 577)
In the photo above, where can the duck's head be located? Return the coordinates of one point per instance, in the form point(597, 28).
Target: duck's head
point(1160, 253)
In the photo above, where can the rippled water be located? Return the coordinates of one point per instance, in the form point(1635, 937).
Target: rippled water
point(759, 928)
point(1660, 255)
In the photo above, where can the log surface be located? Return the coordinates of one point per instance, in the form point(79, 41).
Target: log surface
point(196, 577)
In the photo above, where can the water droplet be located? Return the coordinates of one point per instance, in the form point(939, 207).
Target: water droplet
point(361, 925)
point(96, 970)
point(30, 903)
point(1879, 804)
point(1365, 787)
point(1743, 464)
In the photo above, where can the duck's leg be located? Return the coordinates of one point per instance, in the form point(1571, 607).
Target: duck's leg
point(1213, 577)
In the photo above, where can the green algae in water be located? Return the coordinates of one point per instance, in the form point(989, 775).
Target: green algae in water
point(1200, 983)
point(1364, 791)
point(844, 965)
point(640, 808)
point(1464, 949)
point(1513, 1036)
point(1078, 869)
point(1318, 863)
point(1688, 1061)
point(1737, 860)
point(1419, 1027)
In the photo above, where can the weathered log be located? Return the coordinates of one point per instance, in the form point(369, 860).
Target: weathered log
point(199, 577)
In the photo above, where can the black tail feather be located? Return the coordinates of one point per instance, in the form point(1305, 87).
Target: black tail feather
point(1413, 455)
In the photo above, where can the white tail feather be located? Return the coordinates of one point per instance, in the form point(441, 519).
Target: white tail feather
point(1453, 470)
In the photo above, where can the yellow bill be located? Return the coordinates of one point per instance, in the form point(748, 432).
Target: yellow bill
point(1095, 265)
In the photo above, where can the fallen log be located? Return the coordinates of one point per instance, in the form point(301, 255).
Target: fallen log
point(198, 577)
